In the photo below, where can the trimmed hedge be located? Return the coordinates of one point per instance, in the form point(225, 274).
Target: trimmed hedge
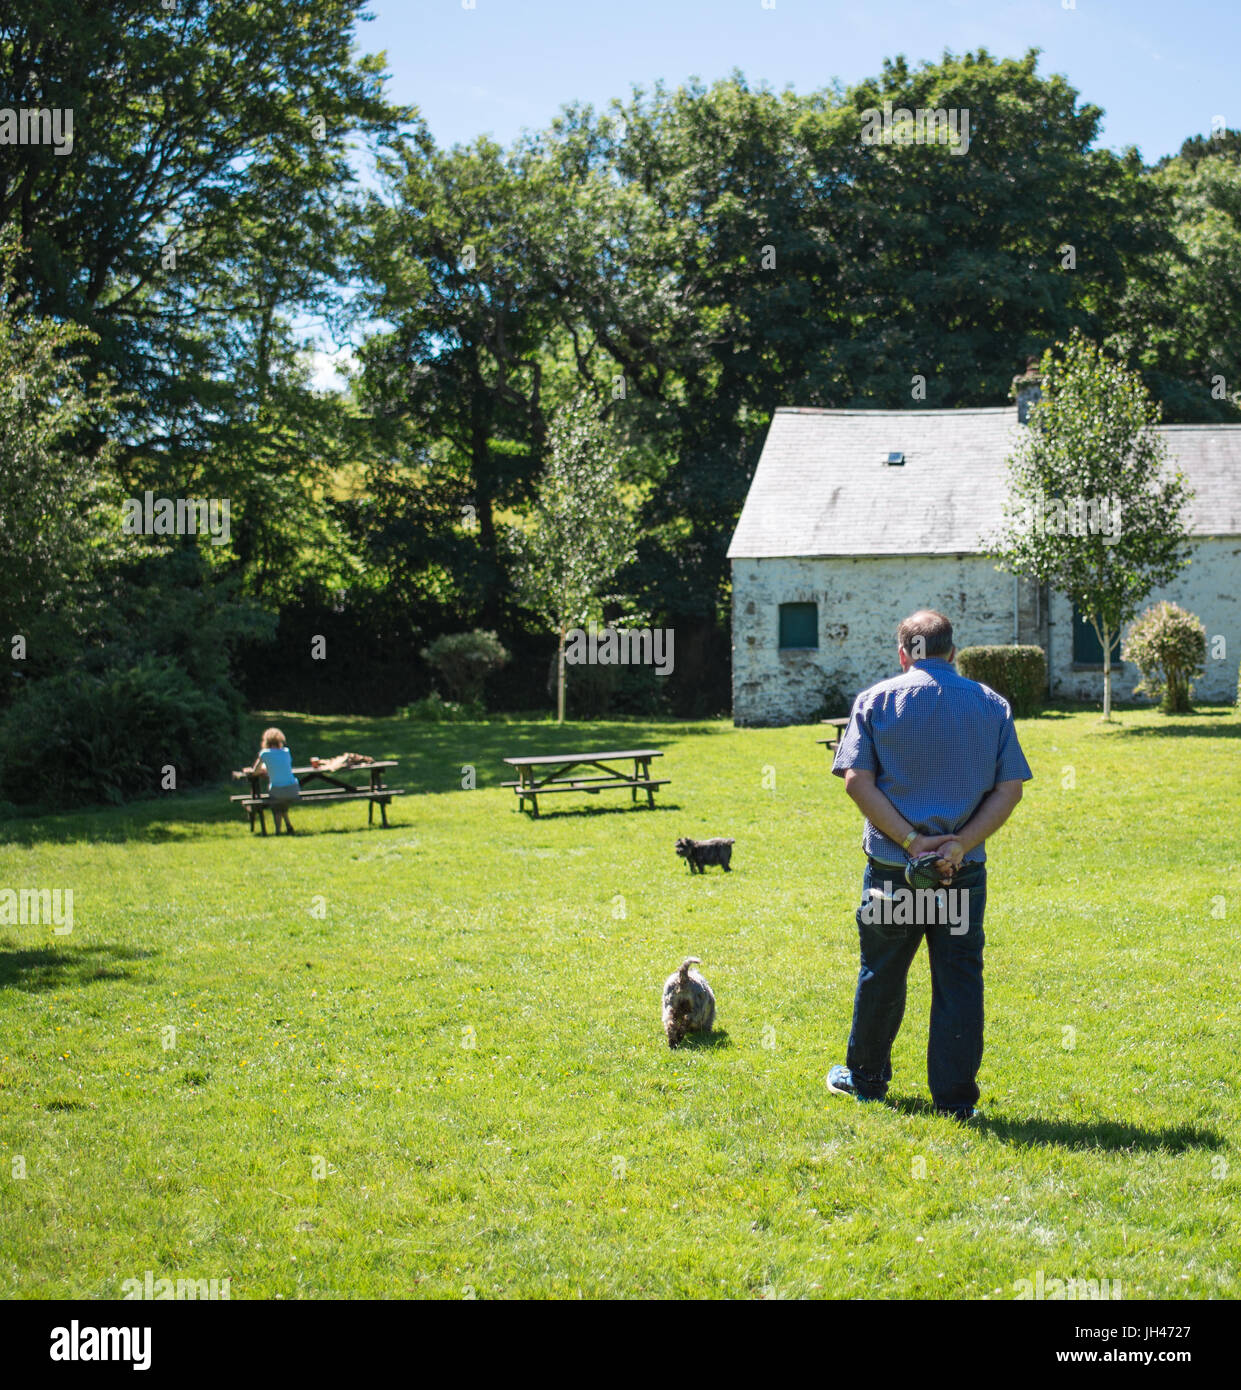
point(1017, 673)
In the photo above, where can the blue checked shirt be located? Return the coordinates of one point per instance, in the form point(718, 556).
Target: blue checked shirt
point(937, 744)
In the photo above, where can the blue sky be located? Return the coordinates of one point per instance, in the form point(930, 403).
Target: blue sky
point(1159, 69)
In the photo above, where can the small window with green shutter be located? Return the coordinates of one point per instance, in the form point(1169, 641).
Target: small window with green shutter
point(1087, 649)
point(799, 625)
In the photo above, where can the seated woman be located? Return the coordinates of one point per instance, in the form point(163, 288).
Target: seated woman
point(283, 788)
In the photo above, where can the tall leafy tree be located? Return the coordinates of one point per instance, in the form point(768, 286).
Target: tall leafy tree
point(1178, 320)
point(1091, 444)
point(476, 257)
point(195, 214)
point(783, 260)
point(59, 510)
point(724, 294)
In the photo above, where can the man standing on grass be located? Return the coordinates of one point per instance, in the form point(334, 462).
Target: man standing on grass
point(933, 763)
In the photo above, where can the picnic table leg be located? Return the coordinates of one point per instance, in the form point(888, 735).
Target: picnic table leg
point(262, 820)
point(370, 810)
point(646, 775)
point(383, 812)
point(633, 791)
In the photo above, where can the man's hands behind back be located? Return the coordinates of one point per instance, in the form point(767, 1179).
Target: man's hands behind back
point(951, 851)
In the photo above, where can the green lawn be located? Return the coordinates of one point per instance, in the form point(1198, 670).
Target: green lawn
point(568, 1150)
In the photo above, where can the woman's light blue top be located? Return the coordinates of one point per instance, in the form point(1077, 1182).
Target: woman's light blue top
point(279, 765)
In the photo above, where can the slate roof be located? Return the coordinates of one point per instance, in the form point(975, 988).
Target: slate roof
point(823, 486)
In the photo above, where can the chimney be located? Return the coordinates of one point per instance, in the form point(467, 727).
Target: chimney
point(1027, 389)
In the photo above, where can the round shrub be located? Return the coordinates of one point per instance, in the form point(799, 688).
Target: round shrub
point(79, 739)
point(464, 660)
point(1169, 647)
point(1018, 673)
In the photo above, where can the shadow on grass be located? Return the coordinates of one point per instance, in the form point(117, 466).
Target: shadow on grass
point(432, 757)
point(1225, 724)
point(50, 967)
point(704, 1042)
point(144, 822)
point(307, 829)
point(1115, 1135)
point(556, 812)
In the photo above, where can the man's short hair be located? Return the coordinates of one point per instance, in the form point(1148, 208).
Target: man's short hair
point(925, 633)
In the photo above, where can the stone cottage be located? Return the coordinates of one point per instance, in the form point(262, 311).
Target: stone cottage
point(856, 517)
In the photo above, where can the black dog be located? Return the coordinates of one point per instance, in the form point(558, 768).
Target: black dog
point(699, 853)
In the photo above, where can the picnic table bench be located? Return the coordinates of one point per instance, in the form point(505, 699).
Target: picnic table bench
point(837, 724)
point(559, 775)
point(255, 804)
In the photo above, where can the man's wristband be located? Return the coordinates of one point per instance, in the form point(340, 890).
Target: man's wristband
point(909, 839)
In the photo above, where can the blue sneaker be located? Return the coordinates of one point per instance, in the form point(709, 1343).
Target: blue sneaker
point(840, 1083)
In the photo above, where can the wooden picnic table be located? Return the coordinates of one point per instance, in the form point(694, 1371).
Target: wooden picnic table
point(256, 804)
point(560, 777)
point(837, 724)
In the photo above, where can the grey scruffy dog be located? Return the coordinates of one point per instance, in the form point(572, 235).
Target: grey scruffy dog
point(699, 853)
point(689, 1005)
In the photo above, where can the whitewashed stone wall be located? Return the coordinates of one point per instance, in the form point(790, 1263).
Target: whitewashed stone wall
point(1210, 588)
point(861, 602)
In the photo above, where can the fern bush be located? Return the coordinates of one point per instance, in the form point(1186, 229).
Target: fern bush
point(82, 738)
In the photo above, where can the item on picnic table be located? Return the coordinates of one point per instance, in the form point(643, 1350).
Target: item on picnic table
point(341, 760)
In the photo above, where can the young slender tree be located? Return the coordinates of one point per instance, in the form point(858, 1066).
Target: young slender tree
point(1092, 511)
point(581, 530)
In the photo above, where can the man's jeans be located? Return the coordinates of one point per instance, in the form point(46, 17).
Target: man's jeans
point(954, 1050)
